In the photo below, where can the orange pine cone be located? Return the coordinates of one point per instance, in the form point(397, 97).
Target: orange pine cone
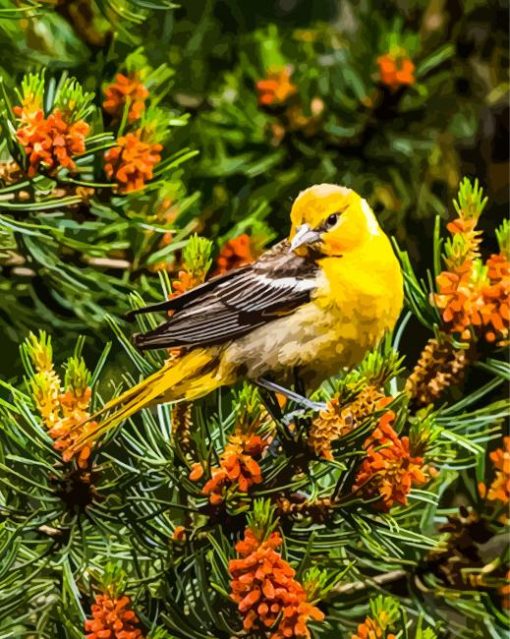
point(238, 466)
point(395, 72)
point(65, 432)
point(454, 299)
point(265, 589)
point(51, 142)
point(494, 312)
point(472, 238)
point(388, 471)
point(64, 414)
point(499, 490)
point(373, 629)
point(112, 618)
point(234, 253)
point(276, 87)
point(481, 307)
point(131, 162)
point(185, 282)
point(125, 89)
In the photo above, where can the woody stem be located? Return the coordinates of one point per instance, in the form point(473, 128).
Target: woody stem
point(379, 580)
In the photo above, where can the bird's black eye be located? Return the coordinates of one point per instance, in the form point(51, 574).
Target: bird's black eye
point(331, 220)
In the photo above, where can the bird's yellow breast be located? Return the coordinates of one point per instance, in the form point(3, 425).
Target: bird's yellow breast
point(362, 294)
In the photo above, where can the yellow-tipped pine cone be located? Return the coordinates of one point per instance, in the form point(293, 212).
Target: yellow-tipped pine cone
point(334, 421)
point(181, 424)
point(439, 367)
point(10, 173)
point(318, 509)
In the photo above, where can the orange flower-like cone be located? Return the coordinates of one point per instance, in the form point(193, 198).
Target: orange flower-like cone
point(472, 298)
point(185, 282)
point(64, 414)
point(238, 466)
point(112, 618)
point(235, 253)
point(49, 142)
point(276, 88)
point(499, 490)
point(126, 89)
point(472, 238)
point(454, 299)
point(131, 162)
point(396, 71)
point(470, 307)
point(374, 628)
point(494, 316)
point(265, 589)
point(388, 471)
point(75, 410)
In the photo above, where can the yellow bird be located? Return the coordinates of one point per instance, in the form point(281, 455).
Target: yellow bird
point(312, 304)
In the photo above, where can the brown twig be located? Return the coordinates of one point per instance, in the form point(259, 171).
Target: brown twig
point(108, 262)
point(378, 580)
point(50, 531)
point(23, 271)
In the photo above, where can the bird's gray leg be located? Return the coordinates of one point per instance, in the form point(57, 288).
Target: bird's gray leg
point(295, 397)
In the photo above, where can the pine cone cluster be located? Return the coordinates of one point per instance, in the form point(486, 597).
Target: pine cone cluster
point(460, 562)
point(266, 590)
point(113, 618)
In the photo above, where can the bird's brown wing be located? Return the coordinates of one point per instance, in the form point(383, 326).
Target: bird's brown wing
point(229, 307)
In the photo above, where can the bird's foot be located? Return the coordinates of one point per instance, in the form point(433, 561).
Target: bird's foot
point(307, 404)
point(300, 413)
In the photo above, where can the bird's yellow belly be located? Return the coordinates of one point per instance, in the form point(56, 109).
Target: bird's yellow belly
point(318, 340)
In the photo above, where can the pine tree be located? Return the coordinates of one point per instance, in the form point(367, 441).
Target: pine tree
point(147, 147)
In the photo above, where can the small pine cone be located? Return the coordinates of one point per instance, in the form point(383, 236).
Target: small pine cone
point(367, 402)
point(10, 173)
point(439, 367)
point(112, 618)
point(334, 422)
point(181, 424)
point(461, 559)
point(76, 488)
point(285, 506)
point(318, 509)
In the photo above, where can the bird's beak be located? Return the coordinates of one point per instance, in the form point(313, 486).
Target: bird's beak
point(304, 235)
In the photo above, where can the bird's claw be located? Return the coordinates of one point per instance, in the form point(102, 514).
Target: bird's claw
point(300, 413)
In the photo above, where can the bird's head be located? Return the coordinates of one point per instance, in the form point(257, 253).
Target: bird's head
point(330, 220)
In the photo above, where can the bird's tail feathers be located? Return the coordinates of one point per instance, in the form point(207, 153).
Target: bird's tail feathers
point(188, 378)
